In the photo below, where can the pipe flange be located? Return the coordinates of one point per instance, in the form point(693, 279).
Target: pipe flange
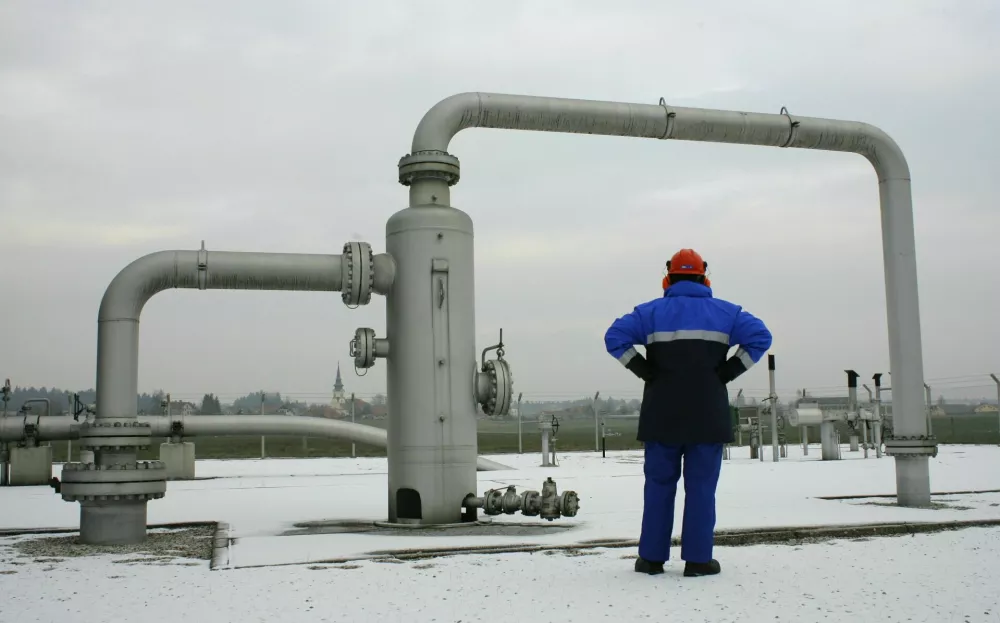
point(493, 502)
point(78, 491)
point(531, 503)
point(363, 348)
point(911, 446)
point(115, 434)
point(431, 164)
point(500, 388)
point(569, 503)
point(104, 498)
point(89, 473)
point(357, 269)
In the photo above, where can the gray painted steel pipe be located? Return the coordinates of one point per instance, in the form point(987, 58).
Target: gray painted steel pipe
point(61, 427)
point(545, 114)
point(291, 425)
point(48, 427)
point(118, 318)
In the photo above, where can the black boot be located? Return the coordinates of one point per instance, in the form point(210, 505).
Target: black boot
point(698, 569)
point(648, 566)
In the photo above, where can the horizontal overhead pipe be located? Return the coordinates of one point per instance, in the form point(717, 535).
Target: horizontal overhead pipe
point(429, 170)
point(118, 318)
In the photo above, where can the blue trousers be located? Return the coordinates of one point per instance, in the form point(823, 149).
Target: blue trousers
point(662, 468)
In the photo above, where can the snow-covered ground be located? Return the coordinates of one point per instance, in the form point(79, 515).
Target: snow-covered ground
point(929, 577)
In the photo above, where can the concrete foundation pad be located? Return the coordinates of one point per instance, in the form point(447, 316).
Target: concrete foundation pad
point(30, 466)
point(179, 459)
point(112, 522)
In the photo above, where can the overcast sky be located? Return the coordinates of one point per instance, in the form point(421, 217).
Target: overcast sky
point(131, 127)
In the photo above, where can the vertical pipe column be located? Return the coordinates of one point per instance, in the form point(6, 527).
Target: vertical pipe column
point(997, 381)
point(431, 367)
point(804, 433)
point(354, 447)
point(4, 458)
point(545, 428)
point(877, 422)
point(930, 407)
point(829, 440)
point(597, 426)
point(760, 432)
point(906, 362)
point(774, 409)
point(852, 404)
point(263, 449)
point(520, 447)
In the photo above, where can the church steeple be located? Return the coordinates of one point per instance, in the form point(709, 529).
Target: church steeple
point(338, 385)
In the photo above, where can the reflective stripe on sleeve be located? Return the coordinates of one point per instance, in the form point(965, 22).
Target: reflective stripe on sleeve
point(627, 356)
point(744, 358)
point(688, 334)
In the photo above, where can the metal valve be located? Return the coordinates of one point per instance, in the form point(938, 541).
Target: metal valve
point(357, 271)
point(366, 348)
point(495, 383)
point(549, 504)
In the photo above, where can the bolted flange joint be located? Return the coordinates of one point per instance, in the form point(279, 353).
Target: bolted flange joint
point(495, 387)
point(554, 505)
point(494, 383)
point(911, 446)
point(87, 482)
point(357, 270)
point(115, 434)
point(366, 348)
point(431, 164)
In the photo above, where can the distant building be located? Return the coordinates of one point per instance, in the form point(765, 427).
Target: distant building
point(339, 400)
point(182, 407)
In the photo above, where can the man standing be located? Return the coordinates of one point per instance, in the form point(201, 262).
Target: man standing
point(685, 412)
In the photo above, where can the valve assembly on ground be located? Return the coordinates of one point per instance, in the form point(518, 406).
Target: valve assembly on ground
point(549, 504)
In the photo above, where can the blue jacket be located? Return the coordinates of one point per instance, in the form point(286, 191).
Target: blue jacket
point(687, 335)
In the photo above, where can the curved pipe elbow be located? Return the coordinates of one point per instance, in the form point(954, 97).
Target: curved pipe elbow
point(884, 154)
point(446, 119)
point(135, 284)
point(385, 273)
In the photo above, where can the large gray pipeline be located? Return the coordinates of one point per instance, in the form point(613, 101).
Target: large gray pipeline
point(429, 171)
point(291, 425)
point(59, 428)
point(14, 428)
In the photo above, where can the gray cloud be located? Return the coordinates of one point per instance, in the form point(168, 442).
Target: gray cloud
point(126, 128)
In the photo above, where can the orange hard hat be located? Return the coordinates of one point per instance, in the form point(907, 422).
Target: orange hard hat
point(686, 262)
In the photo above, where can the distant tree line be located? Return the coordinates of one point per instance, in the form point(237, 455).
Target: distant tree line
point(60, 400)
